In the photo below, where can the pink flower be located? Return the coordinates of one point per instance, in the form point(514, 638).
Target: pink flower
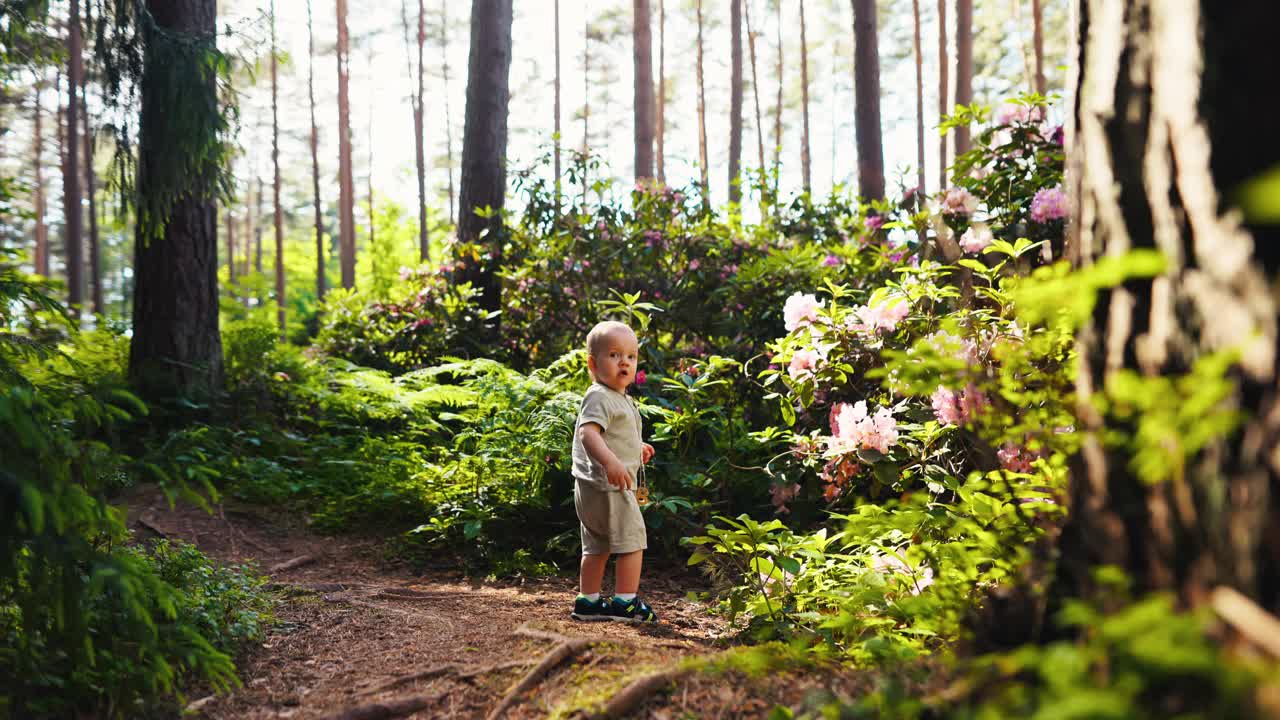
point(1015, 458)
point(1010, 113)
point(780, 495)
point(694, 264)
point(803, 363)
point(1049, 204)
point(640, 377)
point(831, 260)
point(405, 272)
point(885, 315)
point(976, 238)
point(958, 201)
point(873, 222)
point(855, 429)
point(945, 407)
point(800, 310)
point(973, 402)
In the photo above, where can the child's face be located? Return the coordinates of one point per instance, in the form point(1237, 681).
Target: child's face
point(615, 363)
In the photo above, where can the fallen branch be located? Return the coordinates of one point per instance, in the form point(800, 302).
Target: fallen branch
point(144, 522)
point(294, 563)
point(420, 675)
point(474, 672)
point(1259, 626)
point(384, 710)
point(636, 692)
point(567, 648)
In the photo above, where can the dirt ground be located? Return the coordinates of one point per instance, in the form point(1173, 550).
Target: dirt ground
point(360, 636)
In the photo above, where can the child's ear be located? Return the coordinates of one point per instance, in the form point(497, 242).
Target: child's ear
point(591, 364)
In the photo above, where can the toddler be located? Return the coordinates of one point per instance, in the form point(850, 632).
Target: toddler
point(607, 455)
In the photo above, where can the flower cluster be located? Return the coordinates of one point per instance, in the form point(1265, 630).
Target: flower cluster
point(1049, 204)
point(853, 429)
point(800, 310)
point(958, 201)
point(976, 238)
point(884, 315)
point(953, 408)
point(1016, 458)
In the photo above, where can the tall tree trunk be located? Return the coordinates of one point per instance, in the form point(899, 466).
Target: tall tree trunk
point(866, 89)
point(944, 63)
point(777, 107)
point(448, 115)
point(176, 348)
point(315, 157)
point(1037, 22)
point(346, 186)
point(964, 67)
point(90, 190)
point(1028, 68)
point(1168, 125)
point(805, 177)
point(258, 219)
point(755, 86)
point(735, 102)
point(642, 38)
point(275, 182)
point(557, 107)
point(42, 230)
point(484, 143)
point(919, 52)
point(369, 177)
point(231, 250)
point(702, 119)
point(416, 97)
point(74, 226)
point(662, 91)
point(586, 90)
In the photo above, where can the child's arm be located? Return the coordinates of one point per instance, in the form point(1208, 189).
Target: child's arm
point(595, 446)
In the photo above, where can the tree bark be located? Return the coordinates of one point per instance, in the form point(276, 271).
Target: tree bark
point(176, 348)
point(416, 97)
point(755, 86)
point(90, 191)
point(944, 61)
point(484, 143)
point(258, 220)
point(735, 102)
point(777, 107)
point(73, 228)
point(919, 52)
point(866, 80)
point(586, 92)
point(662, 92)
point(346, 186)
point(964, 67)
point(231, 250)
point(557, 107)
point(702, 118)
point(278, 215)
point(315, 158)
point(1037, 22)
point(805, 177)
point(1168, 124)
point(448, 115)
point(42, 229)
point(642, 38)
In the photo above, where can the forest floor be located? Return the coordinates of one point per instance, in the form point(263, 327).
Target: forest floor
point(360, 636)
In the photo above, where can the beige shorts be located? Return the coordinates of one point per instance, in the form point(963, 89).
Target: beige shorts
point(612, 523)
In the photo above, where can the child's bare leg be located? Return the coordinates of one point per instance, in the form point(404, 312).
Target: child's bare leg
point(591, 573)
point(627, 572)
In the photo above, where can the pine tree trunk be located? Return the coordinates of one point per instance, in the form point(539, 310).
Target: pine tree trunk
point(1037, 21)
point(176, 348)
point(642, 38)
point(74, 225)
point(419, 125)
point(866, 81)
point(275, 183)
point(1168, 123)
point(662, 92)
point(702, 119)
point(944, 62)
point(315, 158)
point(755, 86)
point(805, 177)
point(484, 143)
point(586, 92)
point(735, 102)
point(964, 67)
point(258, 219)
point(777, 107)
point(346, 186)
point(919, 52)
point(90, 191)
point(231, 250)
point(557, 106)
point(448, 115)
point(42, 229)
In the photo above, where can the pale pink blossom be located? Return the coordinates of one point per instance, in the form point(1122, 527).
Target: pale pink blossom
point(958, 201)
point(1049, 204)
point(857, 430)
point(800, 310)
point(780, 495)
point(946, 406)
point(976, 238)
point(1015, 458)
point(1010, 113)
point(803, 363)
point(973, 402)
point(884, 315)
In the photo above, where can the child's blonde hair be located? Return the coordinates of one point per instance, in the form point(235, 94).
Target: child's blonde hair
point(602, 330)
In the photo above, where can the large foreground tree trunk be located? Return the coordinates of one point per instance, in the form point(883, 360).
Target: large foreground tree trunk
point(943, 108)
point(73, 228)
point(964, 67)
point(315, 158)
point(1037, 21)
point(702, 117)
point(866, 81)
point(277, 211)
point(346, 183)
point(735, 101)
point(661, 122)
point(1169, 123)
point(484, 142)
point(176, 347)
point(644, 113)
point(805, 178)
point(919, 56)
point(42, 230)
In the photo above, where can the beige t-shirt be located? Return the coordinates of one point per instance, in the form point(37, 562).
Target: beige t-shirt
point(618, 418)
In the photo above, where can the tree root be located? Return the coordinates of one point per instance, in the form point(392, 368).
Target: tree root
point(567, 648)
point(447, 669)
point(293, 563)
point(636, 692)
point(384, 710)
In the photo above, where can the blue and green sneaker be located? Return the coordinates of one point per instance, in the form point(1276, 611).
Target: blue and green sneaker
point(633, 610)
point(587, 609)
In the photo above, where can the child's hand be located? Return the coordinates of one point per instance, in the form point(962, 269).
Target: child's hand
point(618, 476)
point(646, 452)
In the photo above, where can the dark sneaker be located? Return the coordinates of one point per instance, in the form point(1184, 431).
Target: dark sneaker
point(633, 610)
point(586, 609)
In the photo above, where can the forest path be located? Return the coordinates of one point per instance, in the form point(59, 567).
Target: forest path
point(354, 630)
